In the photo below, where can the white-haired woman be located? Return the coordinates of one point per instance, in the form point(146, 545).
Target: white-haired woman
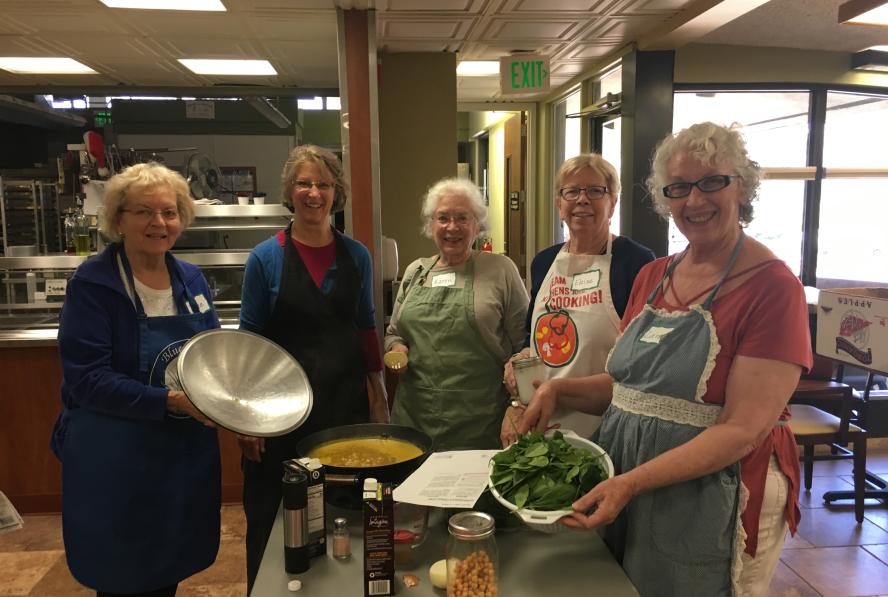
point(695, 390)
point(579, 289)
point(140, 465)
point(458, 316)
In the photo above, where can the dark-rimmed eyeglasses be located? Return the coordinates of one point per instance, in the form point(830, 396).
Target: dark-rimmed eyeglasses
point(593, 192)
point(305, 185)
point(146, 214)
point(707, 184)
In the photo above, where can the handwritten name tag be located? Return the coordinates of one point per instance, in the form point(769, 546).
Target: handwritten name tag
point(448, 279)
point(655, 334)
point(586, 280)
point(202, 303)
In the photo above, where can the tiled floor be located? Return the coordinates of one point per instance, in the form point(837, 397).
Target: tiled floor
point(830, 556)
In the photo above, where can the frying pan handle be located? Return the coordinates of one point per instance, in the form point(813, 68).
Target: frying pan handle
point(335, 479)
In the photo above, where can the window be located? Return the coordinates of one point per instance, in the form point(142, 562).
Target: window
point(567, 145)
point(852, 247)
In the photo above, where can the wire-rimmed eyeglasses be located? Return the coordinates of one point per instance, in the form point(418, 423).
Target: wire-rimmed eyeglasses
point(593, 192)
point(147, 214)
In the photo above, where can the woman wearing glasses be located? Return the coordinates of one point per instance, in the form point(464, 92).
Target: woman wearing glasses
point(458, 316)
point(310, 289)
point(578, 288)
point(140, 464)
point(694, 397)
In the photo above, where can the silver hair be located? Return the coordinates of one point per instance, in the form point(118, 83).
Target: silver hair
point(141, 178)
point(710, 144)
point(461, 187)
point(594, 162)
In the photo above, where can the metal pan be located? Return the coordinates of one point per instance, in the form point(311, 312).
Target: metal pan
point(390, 473)
point(245, 382)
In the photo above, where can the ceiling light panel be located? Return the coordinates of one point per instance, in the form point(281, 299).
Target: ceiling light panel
point(477, 68)
point(44, 66)
point(228, 67)
point(203, 5)
point(864, 12)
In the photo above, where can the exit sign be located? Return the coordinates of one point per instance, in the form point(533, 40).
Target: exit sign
point(524, 73)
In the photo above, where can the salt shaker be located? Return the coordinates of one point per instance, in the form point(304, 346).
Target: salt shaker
point(341, 539)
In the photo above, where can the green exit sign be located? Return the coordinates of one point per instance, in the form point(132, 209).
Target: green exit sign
point(524, 73)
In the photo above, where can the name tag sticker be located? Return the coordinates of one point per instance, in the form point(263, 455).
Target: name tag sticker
point(202, 303)
point(586, 280)
point(655, 334)
point(56, 287)
point(448, 279)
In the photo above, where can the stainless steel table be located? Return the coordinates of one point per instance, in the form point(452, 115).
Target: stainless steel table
point(532, 564)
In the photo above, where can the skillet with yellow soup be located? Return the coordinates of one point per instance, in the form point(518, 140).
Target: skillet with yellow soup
point(365, 452)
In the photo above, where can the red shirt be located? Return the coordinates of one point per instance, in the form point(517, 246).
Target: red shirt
point(765, 317)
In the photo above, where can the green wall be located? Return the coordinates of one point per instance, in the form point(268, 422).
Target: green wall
point(417, 141)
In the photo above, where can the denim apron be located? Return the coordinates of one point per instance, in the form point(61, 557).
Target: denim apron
point(452, 389)
point(686, 538)
point(142, 498)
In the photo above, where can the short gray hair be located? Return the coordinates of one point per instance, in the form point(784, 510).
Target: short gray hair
point(594, 162)
point(142, 178)
point(461, 187)
point(710, 144)
point(323, 159)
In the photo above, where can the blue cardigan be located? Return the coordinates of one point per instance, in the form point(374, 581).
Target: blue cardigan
point(627, 257)
point(99, 342)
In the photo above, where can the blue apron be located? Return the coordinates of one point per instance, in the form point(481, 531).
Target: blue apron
point(685, 538)
point(142, 498)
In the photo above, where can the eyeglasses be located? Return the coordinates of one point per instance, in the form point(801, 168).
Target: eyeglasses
point(145, 214)
point(305, 185)
point(593, 192)
point(707, 184)
point(458, 219)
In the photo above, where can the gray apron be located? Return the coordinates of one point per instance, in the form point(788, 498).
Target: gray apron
point(687, 538)
point(452, 389)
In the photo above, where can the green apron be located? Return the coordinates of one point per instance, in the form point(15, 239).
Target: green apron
point(452, 389)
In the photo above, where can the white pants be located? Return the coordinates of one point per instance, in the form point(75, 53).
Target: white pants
point(757, 572)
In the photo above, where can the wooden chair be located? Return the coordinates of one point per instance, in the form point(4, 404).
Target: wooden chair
point(814, 425)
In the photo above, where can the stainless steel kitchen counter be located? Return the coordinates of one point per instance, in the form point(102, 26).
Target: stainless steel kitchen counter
point(531, 564)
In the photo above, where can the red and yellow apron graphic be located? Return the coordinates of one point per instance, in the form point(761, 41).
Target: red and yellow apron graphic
point(555, 337)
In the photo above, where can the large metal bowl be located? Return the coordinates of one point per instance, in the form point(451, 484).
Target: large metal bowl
point(245, 382)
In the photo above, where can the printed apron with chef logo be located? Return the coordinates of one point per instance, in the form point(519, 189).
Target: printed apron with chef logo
point(142, 498)
point(575, 324)
point(687, 538)
point(452, 389)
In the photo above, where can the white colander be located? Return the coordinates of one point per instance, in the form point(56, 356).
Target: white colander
point(547, 521)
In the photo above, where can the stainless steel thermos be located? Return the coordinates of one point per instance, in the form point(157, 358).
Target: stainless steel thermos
point(295, 499)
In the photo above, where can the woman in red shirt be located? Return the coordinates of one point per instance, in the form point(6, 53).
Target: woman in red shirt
point(694, 395)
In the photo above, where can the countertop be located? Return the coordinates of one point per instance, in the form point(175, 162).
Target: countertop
point(531, 564)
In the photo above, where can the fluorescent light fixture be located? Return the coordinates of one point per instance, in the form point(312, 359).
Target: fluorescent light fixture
point(870, 60)
point(206, 5)
point(878, 48)
point(334, 103)
point(477, 68)
point(228, 67)
point(864, 12)
point(44, 66)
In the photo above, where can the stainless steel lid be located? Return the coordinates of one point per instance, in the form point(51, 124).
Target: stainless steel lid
point(245, 382)
point(471, 525)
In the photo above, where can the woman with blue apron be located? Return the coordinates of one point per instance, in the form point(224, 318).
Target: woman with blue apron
point(142, 498)
point(682, 538)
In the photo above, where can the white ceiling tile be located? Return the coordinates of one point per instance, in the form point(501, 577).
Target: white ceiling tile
point(464, 6)
point(404, 45)
point(404, 29)
point(527, 30)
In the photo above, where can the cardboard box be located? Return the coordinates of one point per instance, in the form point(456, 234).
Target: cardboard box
point(852, 326)
point(379, 539)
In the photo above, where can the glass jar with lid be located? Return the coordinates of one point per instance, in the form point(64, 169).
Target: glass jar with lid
point(472, 558)
point(526, 372)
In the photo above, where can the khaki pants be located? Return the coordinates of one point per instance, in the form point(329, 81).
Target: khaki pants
point(757, 572)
